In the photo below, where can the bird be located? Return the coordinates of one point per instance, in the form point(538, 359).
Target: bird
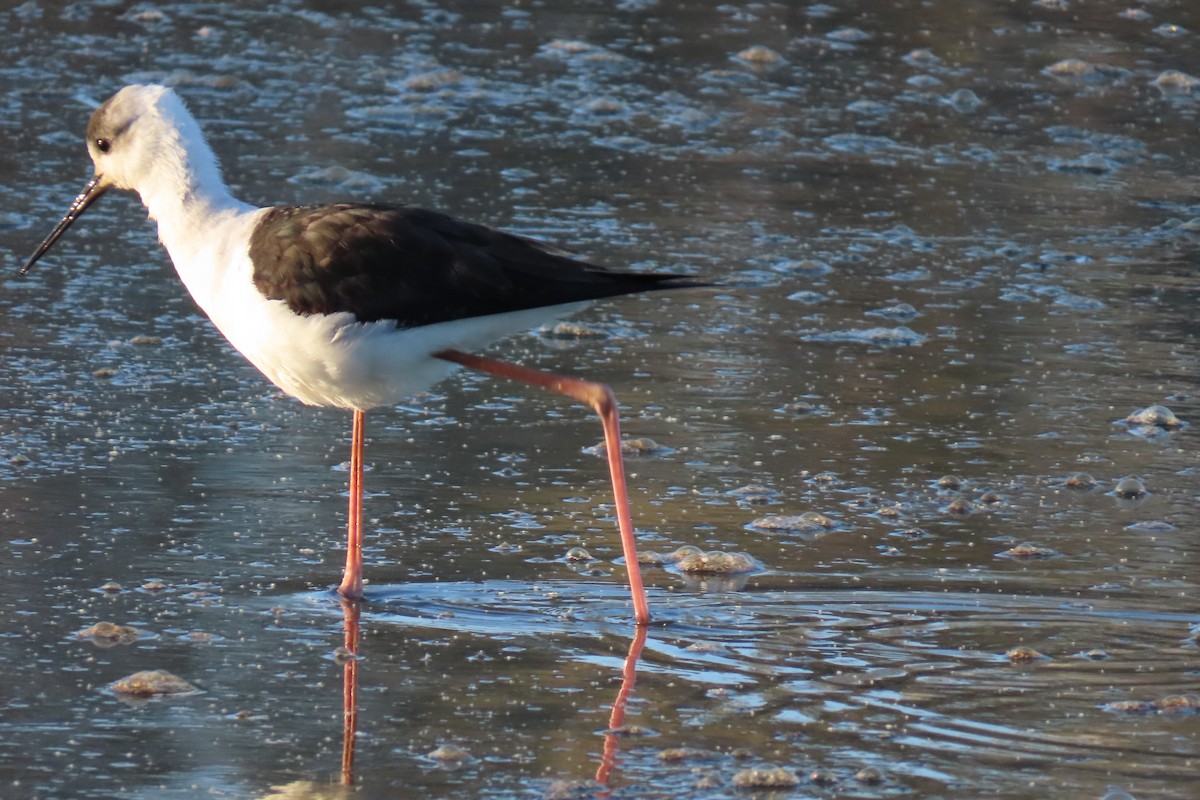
point(350, 305)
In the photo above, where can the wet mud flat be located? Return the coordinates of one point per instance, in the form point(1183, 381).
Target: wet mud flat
point(916, 488)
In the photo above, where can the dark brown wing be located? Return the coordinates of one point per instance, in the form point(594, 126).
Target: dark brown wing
point(419, 267)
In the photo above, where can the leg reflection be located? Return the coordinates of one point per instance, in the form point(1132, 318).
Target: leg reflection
point(351, 609)
point(608, 760)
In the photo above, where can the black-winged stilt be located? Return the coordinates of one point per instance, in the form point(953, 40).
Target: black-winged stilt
point(352, 306)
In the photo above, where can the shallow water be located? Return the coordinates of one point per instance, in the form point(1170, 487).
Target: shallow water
point(947, 248)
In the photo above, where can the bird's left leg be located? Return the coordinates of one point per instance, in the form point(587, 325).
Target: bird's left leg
point(600, 398)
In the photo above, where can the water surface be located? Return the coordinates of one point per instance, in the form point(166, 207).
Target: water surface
point(955, 239)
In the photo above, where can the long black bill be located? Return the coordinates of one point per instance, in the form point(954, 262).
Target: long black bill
point(90, 194)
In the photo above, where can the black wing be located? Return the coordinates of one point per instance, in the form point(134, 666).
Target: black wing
point(419, 267)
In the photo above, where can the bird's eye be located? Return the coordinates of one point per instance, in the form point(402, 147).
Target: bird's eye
point(103, 145)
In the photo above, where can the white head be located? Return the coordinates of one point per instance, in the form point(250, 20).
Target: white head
point(143, 139)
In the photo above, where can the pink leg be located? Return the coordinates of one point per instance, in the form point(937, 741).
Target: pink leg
point(600, 398)
point(352, 583)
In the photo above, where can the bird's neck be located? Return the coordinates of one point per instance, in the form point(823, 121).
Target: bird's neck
point(195, 211)
point(182, 190)
point(182, 196)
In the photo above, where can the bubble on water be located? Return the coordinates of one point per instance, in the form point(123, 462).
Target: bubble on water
point(848, 35)
point(448, 753)
point(869, 775)
point(642, 446)
point(900, 336)
point(1129, 488)
point(604, 107)
point(822, 777)
point(1080, 480)
point(718, 562)
point(1029, 551)
point(109, 634)
point(342, 655)
point(768, 777)
point(811, 267)
point(950, 483)
point(1170, 705)
point(1171, 31)
point(1079, 302)
point(340, 178)
point(579, 554)
point(1172, 81)
point(963, 100)
point(921, 57)
point(1116, 793)
point(1151, 526)
point(960, 507)
point(870, 108)
point(648, 557)
point(901, 312)
point(807, 522)
point(930, 82)
point(1155, 416)
point(1024, 655)
point(571, 331)
point(435, 79)
point(754, 494)
point(1070, 67)
point(758, 54)
point(673, 755)
point(151, 683)
point(798, 407)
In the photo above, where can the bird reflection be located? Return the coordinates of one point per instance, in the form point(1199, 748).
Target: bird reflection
point(612, 737)
point(348, 654)
point(351, 609)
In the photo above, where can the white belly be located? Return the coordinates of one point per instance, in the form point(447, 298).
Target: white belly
point(331, 360)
